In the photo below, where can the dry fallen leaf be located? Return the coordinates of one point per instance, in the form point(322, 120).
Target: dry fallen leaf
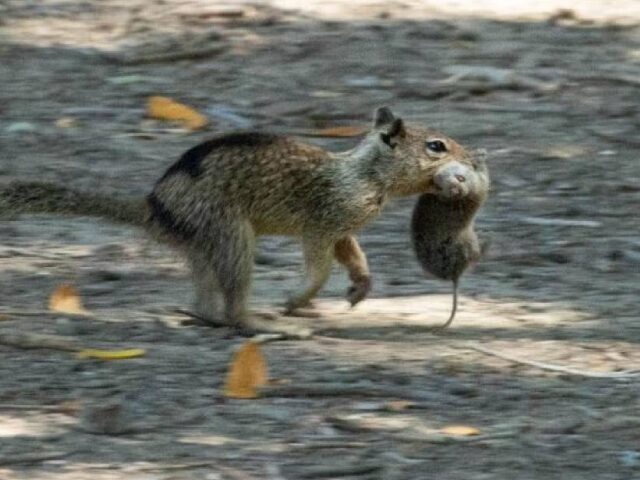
point(398, 405)
point(111, 354)
point(272, 382)
point(460, 431)
point(248, 371)
point(65, 299)
point(164, 108)
point(338, 132)
point(66, 122)
point(68, 407)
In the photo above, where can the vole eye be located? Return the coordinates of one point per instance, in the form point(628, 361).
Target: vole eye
point(436, 146)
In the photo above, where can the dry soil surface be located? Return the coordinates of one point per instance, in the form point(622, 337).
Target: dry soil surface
point(552, 94)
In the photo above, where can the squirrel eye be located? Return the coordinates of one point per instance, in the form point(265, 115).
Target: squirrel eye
point(436, 146)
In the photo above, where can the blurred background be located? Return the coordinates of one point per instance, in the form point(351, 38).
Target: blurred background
point(550, 88)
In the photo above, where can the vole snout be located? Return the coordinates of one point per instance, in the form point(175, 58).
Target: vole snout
point(452, 180)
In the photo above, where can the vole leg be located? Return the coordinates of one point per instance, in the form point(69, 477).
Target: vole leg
point(318, 257)
point(348, 253)
point(233, 264)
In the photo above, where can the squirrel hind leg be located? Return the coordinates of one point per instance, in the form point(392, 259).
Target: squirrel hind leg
point(207, 295)
point(231, 258)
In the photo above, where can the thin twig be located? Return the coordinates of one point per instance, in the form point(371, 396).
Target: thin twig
point(31, 458)
point(36, 340)
point(42, 408)
point(554, 368)
point(44, 313)
point(331, 390)
point(232, 472)
point(191, 54)
point(328, 445)
point(621, 139)
point(623, 79)
point(336, 471)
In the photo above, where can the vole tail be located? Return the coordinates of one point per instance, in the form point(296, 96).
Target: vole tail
point(41, 197)
point(454, 307)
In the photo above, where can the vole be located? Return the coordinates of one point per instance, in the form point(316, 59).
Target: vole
point(442, 225)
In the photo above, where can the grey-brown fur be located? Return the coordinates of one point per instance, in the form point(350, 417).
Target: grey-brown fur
point(442, 227)
point(220, 195)
point(40, 197)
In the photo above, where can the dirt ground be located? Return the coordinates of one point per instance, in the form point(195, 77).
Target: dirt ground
point(552, 94)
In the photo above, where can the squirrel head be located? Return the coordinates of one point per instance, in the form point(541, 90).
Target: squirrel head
point(421, 160)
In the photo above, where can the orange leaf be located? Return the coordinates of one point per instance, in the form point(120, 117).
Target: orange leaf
point(68, 407)
point(399, 405)
point(164, 108)
point(66, 122)
point(248, 371)
point(338, 132)
point(66, 299)
point(460, 431)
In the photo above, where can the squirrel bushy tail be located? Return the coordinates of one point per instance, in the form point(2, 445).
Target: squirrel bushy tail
point(42, 197)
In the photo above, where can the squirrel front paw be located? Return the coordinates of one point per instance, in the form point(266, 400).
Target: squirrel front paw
point(358, 290)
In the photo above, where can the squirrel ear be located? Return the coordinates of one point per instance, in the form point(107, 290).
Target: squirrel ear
point(383, 116)
point(392, 131)
point(396, 128)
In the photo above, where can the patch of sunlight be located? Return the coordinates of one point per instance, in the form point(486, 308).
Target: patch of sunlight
point(623, 11)
point(31, 426)
point(210, 440)
point(432, 310)
point(13, 427)
point(47, 32)
point(109, 28)
point(488, 333)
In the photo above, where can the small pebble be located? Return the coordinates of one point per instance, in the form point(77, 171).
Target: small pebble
point(21, 127)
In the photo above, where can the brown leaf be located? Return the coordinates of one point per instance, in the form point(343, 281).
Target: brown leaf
point(247, 372)
point(460, 431)
point(66, 122)
point(398, 405)
point(65, 299)
point(164, 108)
point(111, 354)
point(68, 407)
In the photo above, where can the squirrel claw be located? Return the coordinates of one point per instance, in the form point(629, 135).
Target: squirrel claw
point(358, 291)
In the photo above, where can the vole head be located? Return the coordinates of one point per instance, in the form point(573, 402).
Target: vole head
point(422, 160)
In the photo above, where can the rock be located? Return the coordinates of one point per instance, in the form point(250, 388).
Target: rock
point(625, 256)
point(367, 81)
point(228, 116)
point(630, 458)
point(21, 127)
point(560, 222)
point(463, 390)
point(112, 418)
point(563, 426)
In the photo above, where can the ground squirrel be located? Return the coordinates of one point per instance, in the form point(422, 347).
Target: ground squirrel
point(442, 230)
point(221, 194)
